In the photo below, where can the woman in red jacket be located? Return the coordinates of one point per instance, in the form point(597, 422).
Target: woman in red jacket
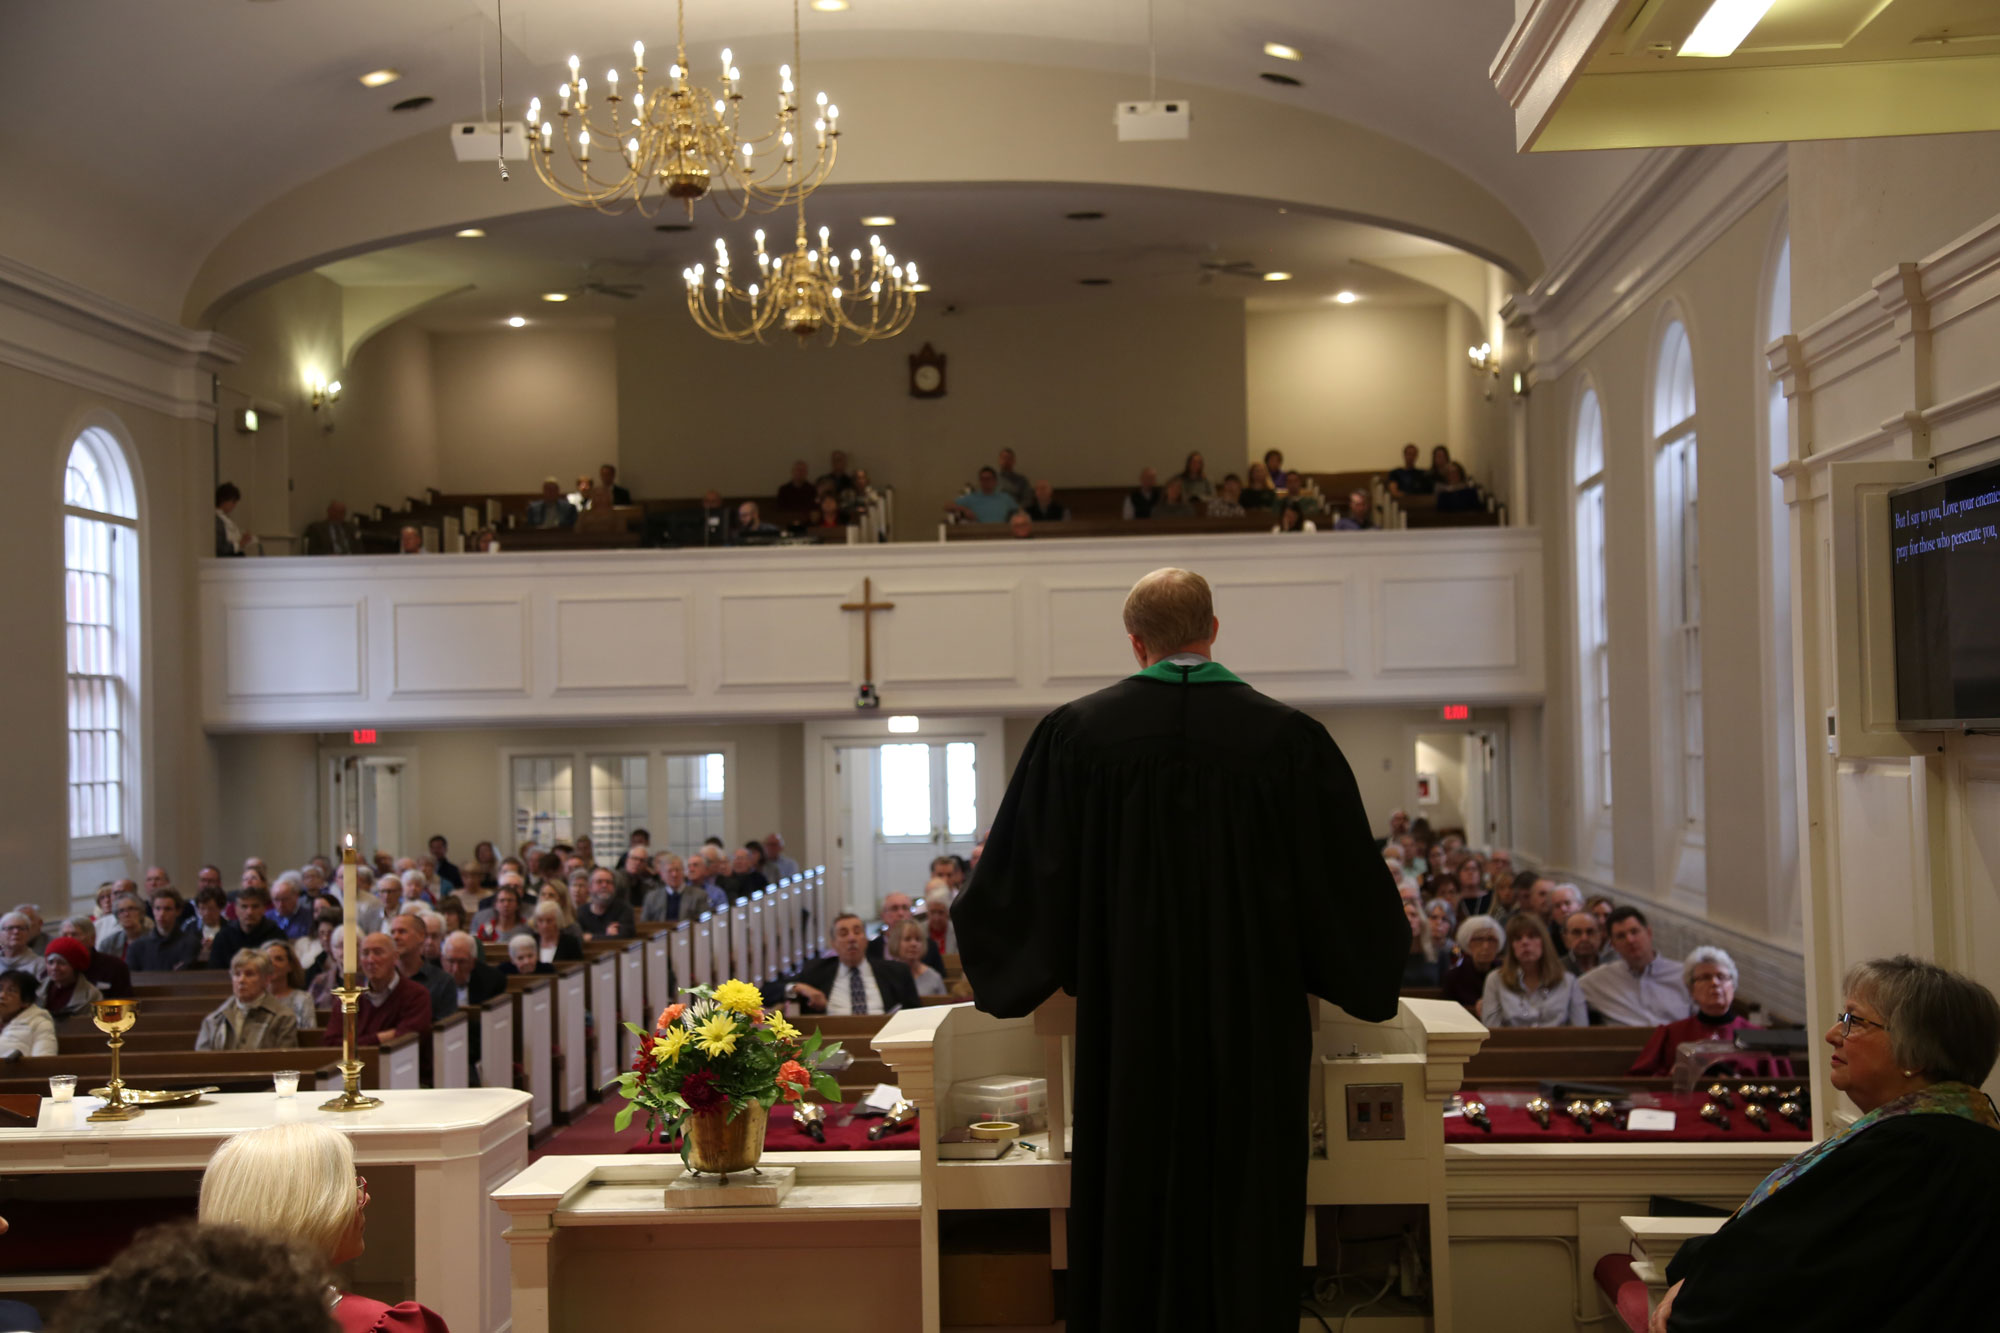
point(297, 1182)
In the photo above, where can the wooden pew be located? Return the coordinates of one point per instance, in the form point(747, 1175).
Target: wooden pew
point(447, 1061)
point(569, 1007)
point(324, 1077)
point(534, 1046)
point(396, 1064)
point(494, 1022)
point(601, 1004)
point(1261, 520)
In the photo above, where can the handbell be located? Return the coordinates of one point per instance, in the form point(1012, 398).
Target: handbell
point(1579, 1111)
point(1475, 1114)
point(1538, 1107)
point(1793, 1112)
point(1605, 1111)
point(811, 1120)
point(1715, 1115)
point(1758, 1116)
point(901, 1116)
point(1719, 1094)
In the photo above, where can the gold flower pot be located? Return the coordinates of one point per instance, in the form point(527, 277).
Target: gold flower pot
point(720, 1146)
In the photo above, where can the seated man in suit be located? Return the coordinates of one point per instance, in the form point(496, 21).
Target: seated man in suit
point(250, 1019)
point(252, 928)
point(896, 909)
point(552, 510)
point(607, 482)
point(476, 980)
point(751, 529)
point(331, 535)
point(850, 982)
point(603, 917)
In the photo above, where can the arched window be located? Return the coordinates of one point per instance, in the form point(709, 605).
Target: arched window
point(100, 574)
point(1592, 634)
point(1778, 425)
point(1678, 552)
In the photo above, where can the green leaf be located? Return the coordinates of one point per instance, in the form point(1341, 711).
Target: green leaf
point(623, 1120)
point(826, 1086)
point(634, 1027)
point(812, 1043)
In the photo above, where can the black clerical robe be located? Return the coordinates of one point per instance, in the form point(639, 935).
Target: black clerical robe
point(1893, 1232)
point(1190, 859)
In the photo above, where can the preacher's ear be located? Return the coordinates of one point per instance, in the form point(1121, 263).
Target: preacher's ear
point(1138, 649)
point(1214, 628)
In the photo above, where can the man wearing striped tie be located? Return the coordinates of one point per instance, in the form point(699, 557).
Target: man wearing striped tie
point(849, 981)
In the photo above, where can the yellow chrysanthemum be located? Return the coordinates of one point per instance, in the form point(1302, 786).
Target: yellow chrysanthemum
point(780, 1029)
point(718, 1035)
point(668, 1048)
point(739, 997)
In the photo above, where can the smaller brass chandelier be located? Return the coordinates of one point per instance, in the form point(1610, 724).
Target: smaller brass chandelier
point(679, 144)
point(806, 292)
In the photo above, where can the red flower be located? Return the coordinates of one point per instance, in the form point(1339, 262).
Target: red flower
point(645, 1062)
point(698, 1090)
point(793, 1080)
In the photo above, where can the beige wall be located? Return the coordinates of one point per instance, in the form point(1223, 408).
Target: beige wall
point(1085, 395)
point(272, 803)
point(169, 460)
point(515, 406)
point(1339, 388)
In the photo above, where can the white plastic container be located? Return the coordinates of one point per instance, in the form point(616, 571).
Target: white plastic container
point(1015, 1097)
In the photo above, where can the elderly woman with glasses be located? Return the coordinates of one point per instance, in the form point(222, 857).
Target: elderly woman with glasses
point(1711, 980)
point(297, 1183)
point(1888, 1223)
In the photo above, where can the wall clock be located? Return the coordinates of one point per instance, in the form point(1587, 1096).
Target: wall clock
point(927, 373)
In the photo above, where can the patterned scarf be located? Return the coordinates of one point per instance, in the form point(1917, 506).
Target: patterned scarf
point(1939, 1099)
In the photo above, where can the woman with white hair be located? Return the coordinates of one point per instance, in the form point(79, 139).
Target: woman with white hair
point(1711, 979)
point(297, 1183)
point(1479, 941)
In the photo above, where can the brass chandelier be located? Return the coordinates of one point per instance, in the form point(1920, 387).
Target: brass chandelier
point(681, 143)
point(805, 293)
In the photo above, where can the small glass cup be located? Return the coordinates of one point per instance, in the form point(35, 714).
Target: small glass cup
point(285, 1082)
point(62, 1087)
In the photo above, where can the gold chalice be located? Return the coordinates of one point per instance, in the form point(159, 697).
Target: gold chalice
point(115, 1018)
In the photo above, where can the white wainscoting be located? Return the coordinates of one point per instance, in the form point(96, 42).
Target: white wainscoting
point(300, 644)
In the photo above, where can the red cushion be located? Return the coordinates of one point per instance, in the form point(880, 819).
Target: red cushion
point(1627, 1293)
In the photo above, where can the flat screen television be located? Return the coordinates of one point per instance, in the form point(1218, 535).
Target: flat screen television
point(1945, 586)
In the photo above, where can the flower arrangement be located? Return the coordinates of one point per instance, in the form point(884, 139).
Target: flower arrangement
point(720, 1053)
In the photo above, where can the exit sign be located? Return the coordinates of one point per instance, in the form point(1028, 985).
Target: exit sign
point(1452, 713)
point(367, 737)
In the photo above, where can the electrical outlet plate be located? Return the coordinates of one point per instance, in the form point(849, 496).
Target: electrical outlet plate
point(1152, 120)
point(1374, 1111)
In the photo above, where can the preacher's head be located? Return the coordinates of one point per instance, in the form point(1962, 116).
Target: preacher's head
point(1170, 611)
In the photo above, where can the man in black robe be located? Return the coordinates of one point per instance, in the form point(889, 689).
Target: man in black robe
point(1116, 872)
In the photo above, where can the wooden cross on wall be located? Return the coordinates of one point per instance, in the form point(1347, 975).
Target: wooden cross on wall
point(867, 606)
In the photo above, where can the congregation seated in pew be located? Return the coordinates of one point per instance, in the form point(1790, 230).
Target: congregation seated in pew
point(66, 990)
point(26, 1030)
point(251, 1019)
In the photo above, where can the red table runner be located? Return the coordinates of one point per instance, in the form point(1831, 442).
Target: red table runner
point(781, 1135)
point(1512, 1124)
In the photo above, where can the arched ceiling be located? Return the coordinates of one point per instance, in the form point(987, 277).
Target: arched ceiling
point(145, 134)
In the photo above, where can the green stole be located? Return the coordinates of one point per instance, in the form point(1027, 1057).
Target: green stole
point(1203, 673)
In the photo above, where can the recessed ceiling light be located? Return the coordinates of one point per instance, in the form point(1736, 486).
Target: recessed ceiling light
point(878, 220)
point(379, 78)
point(1723, 28)
point(469, 233)
point(1094, 282)
point(829, 6)
point(555, 296)
point(1346, 298)
point(1276, 276)
point(517, 322)
point(1085, 215)
point(1279, 51)
point(1282, 80)
point(412, 104)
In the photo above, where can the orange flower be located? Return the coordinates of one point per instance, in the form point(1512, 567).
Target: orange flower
point(793, 1080)
point(669, 1016)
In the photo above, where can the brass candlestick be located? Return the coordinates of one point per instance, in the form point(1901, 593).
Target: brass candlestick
point(115, 1018)
point(351, 1097)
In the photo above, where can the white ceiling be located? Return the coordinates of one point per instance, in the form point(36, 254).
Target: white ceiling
point(187, 116)
point(974, 245)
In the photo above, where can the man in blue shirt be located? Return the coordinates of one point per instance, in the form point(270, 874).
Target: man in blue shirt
point(552, 510)
point(988, 504)
point(1410, 479)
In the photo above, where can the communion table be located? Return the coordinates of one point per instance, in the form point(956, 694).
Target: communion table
point(594, 1246)
point(75, 1188)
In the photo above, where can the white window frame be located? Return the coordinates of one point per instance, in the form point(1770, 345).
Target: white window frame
point(1593, 639)
point(1780, 693)
point(1675, 419)
point(96, 857)
point(654, 820)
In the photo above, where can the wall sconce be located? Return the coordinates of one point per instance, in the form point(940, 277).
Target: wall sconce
point(324, 395)
point(1485, 364)
point(247, 421)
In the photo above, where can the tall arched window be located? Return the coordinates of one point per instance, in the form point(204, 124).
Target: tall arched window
point(1778, 424)
point(1592, 634)
point(1678, 552)
point(100, 573)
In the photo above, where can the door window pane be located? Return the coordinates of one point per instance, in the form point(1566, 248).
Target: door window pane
point(617, 799)
point(906, 791)
point(544, 799)
point(696, 784)
point(961, 786)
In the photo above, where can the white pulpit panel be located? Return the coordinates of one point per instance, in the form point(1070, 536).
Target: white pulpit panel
point(334, 666)
point(463, 646)
point(1287, 626)
point(621, 643)
point(1083, 634)
point(1457, 622)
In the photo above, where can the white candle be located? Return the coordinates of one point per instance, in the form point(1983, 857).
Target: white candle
point(350, 902)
